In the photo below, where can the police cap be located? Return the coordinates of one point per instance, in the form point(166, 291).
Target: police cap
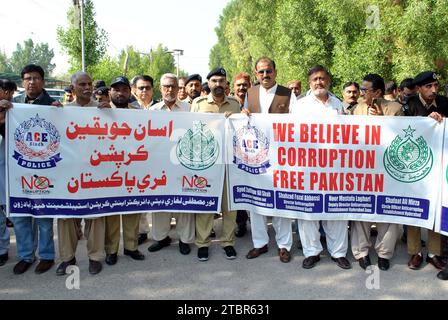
point(193, 77)
point(217, 72)
point(424, 78)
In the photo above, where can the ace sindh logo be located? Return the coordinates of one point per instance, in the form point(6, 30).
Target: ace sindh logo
point(198, 149)
point(408, 159)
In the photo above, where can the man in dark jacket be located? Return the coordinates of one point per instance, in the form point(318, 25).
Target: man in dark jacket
point(33, 81)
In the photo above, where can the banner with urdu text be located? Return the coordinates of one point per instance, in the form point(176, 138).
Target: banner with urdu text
point(86, 162)
point(383, 169)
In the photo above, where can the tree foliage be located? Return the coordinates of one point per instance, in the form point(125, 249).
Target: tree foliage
point(410, 36)
point(27, 53)
point(95, 38)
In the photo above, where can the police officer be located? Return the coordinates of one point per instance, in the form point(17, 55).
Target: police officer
point(426, 103)
point(216, 102)
point(193, 85)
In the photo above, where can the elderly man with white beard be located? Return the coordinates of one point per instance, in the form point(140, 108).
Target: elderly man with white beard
point(319, 102)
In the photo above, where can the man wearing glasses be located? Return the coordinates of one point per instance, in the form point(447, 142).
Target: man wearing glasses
point(31, 230)
point(269, 97)
point(142, 89)
point(161, 221)
point(374, 104)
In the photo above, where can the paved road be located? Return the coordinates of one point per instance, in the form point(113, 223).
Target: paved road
point(169, 275)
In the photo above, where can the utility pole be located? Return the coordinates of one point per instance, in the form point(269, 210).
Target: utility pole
point(177, 53)
point(80, 6)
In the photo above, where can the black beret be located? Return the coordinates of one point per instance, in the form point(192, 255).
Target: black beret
point(193, 77)
point(120, 80)
point(216, 72)
point(424, 78)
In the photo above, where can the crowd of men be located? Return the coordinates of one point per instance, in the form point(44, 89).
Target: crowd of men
point(418, 96)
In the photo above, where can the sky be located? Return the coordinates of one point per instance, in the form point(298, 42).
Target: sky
point(177, 24)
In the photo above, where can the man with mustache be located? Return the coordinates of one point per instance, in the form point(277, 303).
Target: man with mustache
point(374, 104)
point(182, 95)
point(33, 81)
point(120, 92)
point(296, 87)
point(350, 94)
point(161, 221)
point(269, 97)
point(69, 229)
point(426, 103)
point(318, 102)
point(216, 102)
point(241, 83)
point(193, 85)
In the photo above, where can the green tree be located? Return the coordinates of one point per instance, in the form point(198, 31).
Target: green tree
point(410, 37)
point(95, 38)
point(4, 63)
point(29, 52)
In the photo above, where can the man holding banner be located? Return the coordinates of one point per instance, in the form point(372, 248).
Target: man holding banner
point(216, 102)
point(426, 103)
point(68, 229)
point(269, 97)
point(161, 221)
point(320, 101)
point(373, 104)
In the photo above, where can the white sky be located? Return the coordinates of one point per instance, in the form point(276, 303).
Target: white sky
point(177, 24)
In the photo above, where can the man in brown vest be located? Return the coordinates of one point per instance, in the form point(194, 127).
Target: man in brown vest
point(269, 97)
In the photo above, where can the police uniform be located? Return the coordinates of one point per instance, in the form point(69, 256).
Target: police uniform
point(417, 106)
point(204, 222)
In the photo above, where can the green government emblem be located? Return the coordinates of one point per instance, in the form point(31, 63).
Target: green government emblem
point(198, 148)
point(408, 159)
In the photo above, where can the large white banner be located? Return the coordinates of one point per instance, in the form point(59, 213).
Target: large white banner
point(85, 162)
point(442, 217)
point(384, 169)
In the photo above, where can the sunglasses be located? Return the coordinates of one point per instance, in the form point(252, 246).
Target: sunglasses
point(267, 71)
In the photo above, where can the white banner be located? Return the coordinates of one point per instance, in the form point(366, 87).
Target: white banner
point(85, 162)
point(384, 169)
point(442, 216)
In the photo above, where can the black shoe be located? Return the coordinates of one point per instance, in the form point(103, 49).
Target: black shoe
point(383, 264)
point(364, 262)
point(111, 259)
point(213, 234)
point(443, 275)
point(95, 267)
point(136, 255)
point(230, 252)
point(203, 254)
point(43, 266)
point(62, 268)
point(310, 262)
point(9, 224)
point(3, 259)
point(22, 266)
point(142, 238)
point(159, 245)
point(241, 230)
point(184, 248)
point(342, 262)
